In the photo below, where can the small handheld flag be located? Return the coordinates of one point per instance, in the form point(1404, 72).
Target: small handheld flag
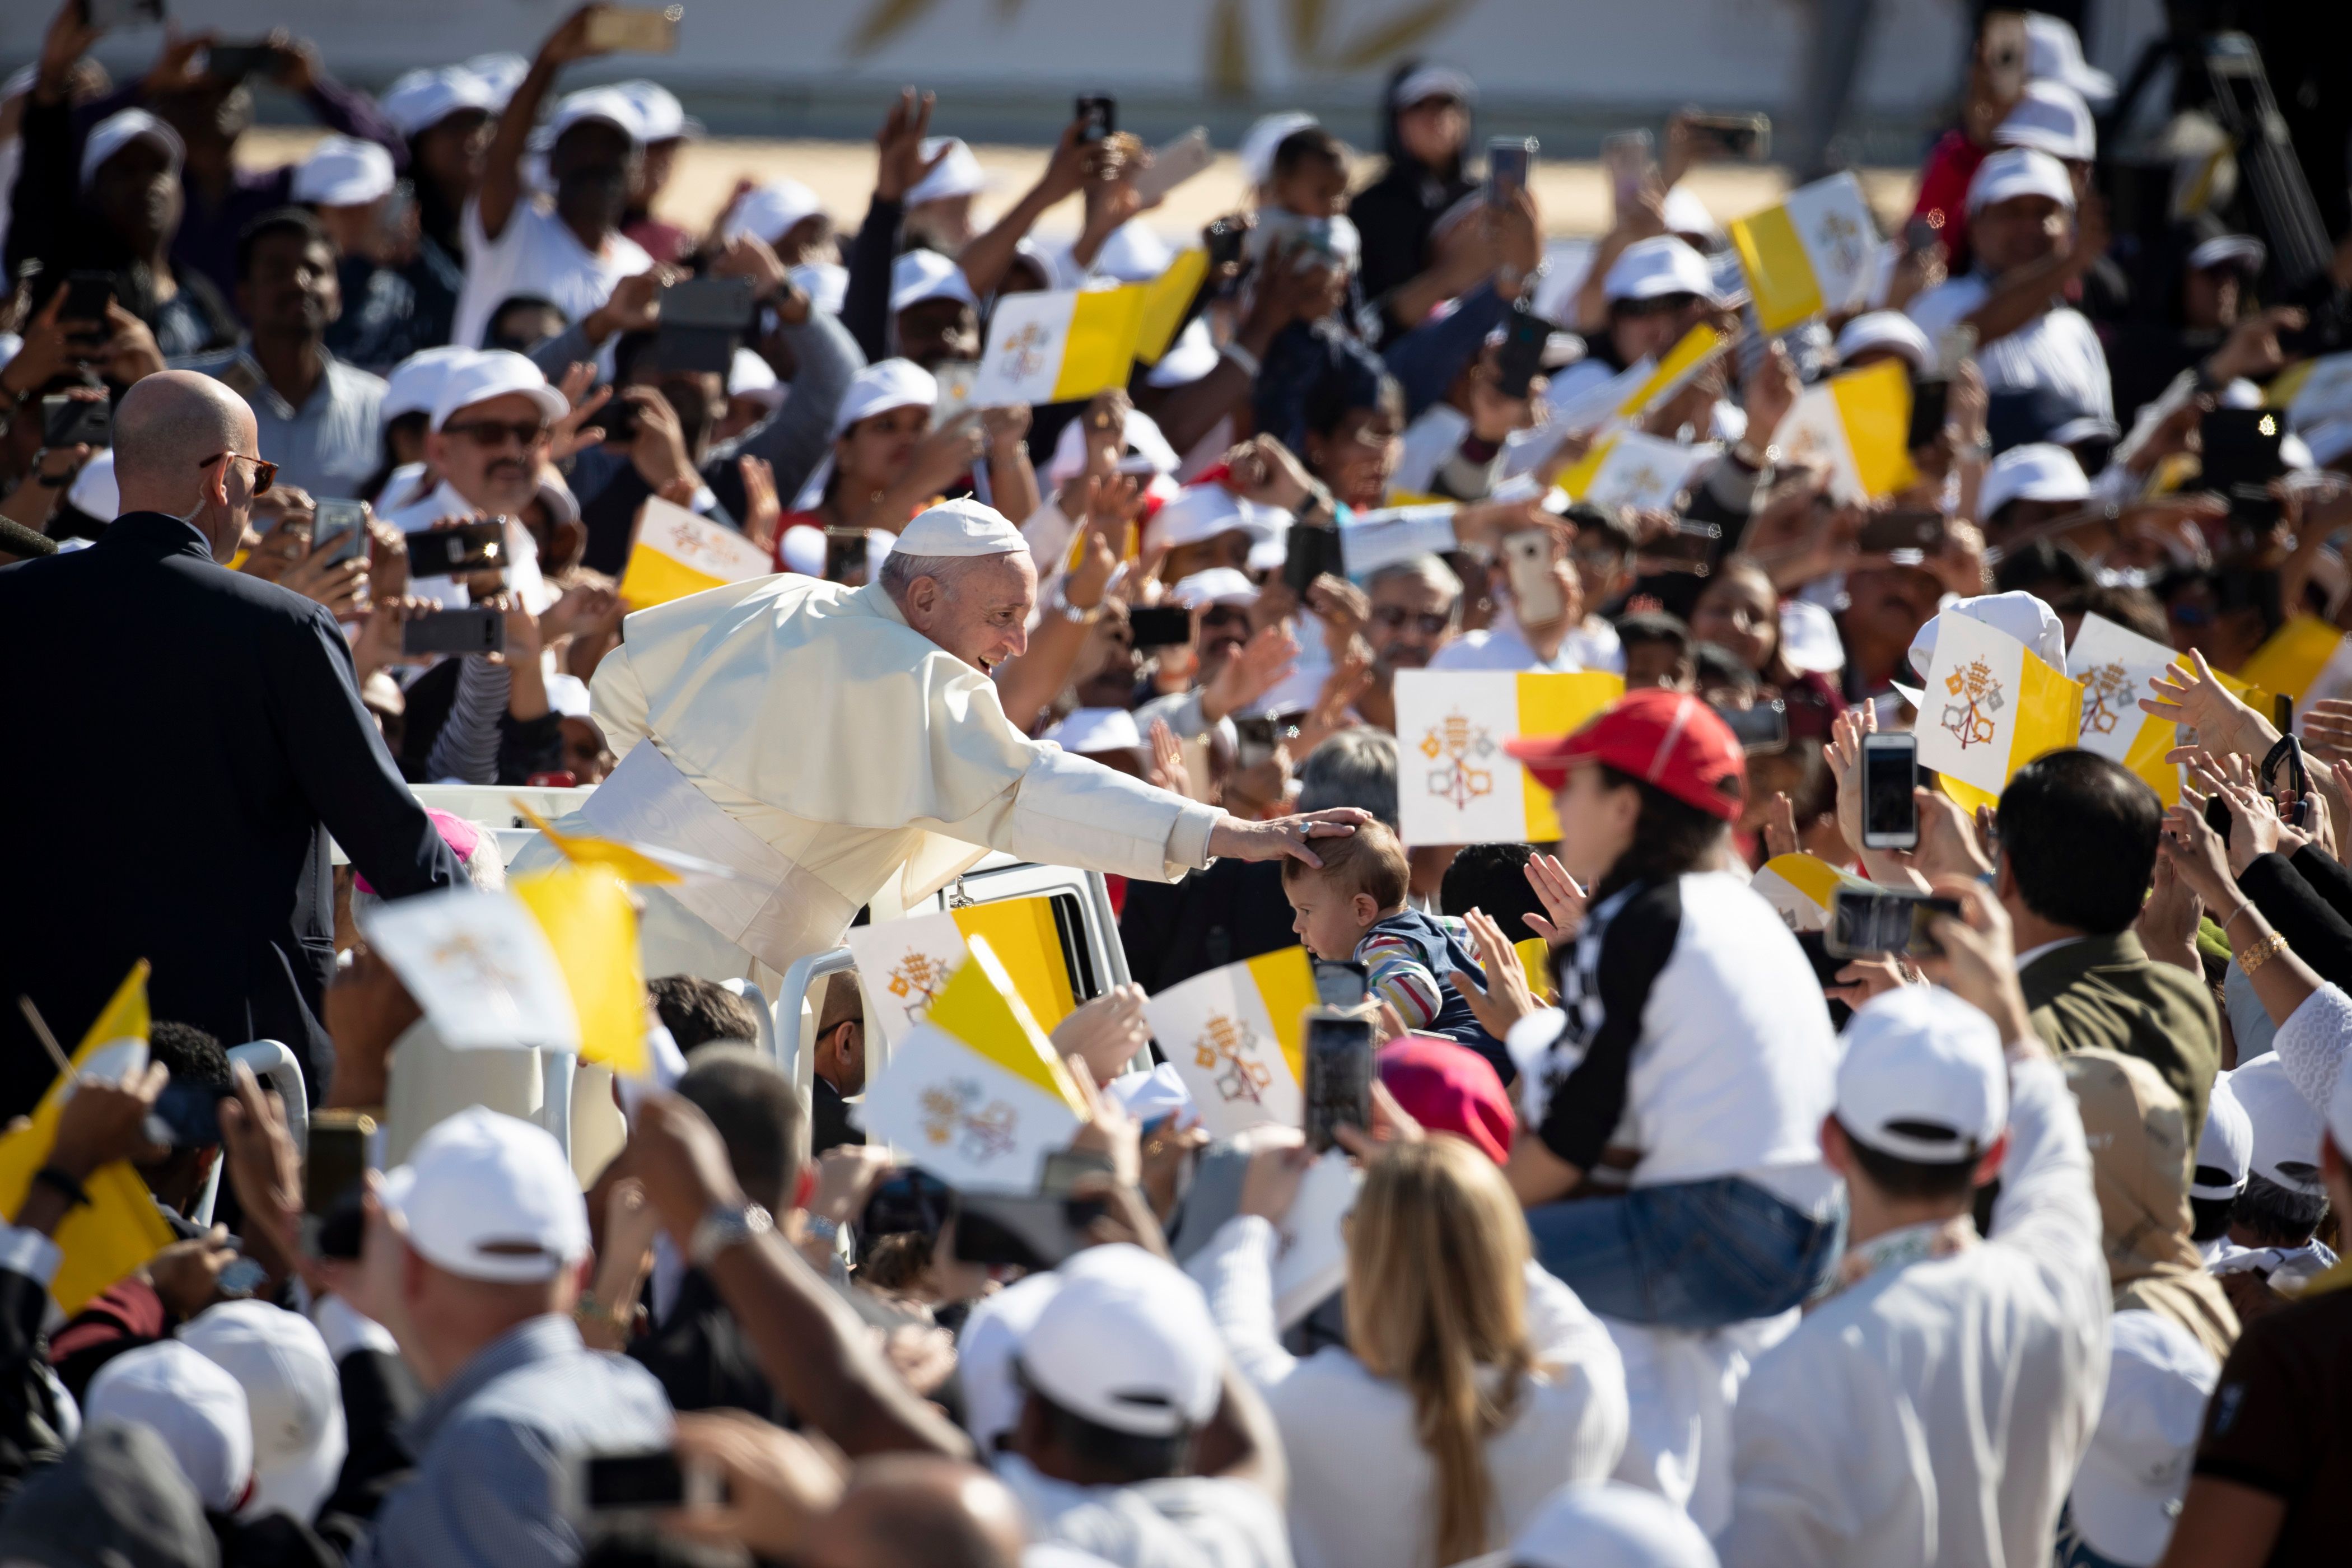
point(1455, 785)
point(1235, 1037)
point(676, 553)
point(1990, 706)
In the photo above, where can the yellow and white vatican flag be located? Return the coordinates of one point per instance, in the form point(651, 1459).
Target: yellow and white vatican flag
point(1639, 386)
point(1059, 344)
point(1535, 961)
point(2306, 659)
point(975, 1093)
point(1632, 469)
point(676, 553)
point(636, 862)
point(1990, 706)
point(1234, 1035)
point(1810, 255)
point(1801, 887)
point(1164, 301)
point(2312, 390)
point(121, 1228)
point(481, 966)
point(904, 965)
point(1455, 785)
point(1857, 424)
point(2115, 666)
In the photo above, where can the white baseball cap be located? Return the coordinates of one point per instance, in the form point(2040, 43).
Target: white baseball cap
point(608, 104)
point(490, 1197)
point(2287, 1127)
point(1887, 330)
point(2015, 172)
point(2243, 249)
point(803, 550)
point(1204, 511)
point(2226, 1147)
point(986, 1355)
point(1089, 729)
point(342, 172)
point(881, 386)
point(1266, 134)
point(424, 98)
point(2053, 117)
point(2038, 470)
point(292, 1394)
point(1657, 265)
point(1146, 450)
point(962, 527)
point(2127, 1492)
point(749, 376)
point(826, 283)
point(1134, 252)
point(1127, 1343)
point(567, 696)
point(2017, 613)
point(769, 212)
point(959, 172)
point(660, 116)
point(197, 1409)
point(1609, 1524)
point(2053, 52)
point(415, 384)
point(1433, 81)
point(1685, 213)
point(1924, 1077)
point(117, 131)
point(495, 373)
point(920, 275)
point(1217, 585)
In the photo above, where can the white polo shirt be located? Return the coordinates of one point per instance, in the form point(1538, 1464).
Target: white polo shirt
point(536, 253)
point(2056, 349)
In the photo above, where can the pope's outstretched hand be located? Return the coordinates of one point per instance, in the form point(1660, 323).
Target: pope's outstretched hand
point(1277, 837)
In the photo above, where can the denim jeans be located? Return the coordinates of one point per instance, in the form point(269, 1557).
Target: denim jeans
point(1692, 1255)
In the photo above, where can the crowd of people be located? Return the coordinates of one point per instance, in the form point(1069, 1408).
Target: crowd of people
point(1688, 1244)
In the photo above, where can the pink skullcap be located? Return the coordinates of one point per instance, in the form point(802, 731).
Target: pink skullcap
point(461, 836)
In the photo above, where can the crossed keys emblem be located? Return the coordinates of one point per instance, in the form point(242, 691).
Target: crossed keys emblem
point(1970, 721)
point(2106, 697)
point(1838, 236)
point(1232, 1042)
point(955, 1111)
point(917, 980)
point(1461, 745)
point(1025, 352)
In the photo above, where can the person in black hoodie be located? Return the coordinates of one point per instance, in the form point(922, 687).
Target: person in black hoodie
point(1425, 130)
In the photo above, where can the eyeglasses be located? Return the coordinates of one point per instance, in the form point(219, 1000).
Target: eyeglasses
point(497, 433)
point(1656, 305)
point(264, 470)
point(1223, 615)
point(1394, 616)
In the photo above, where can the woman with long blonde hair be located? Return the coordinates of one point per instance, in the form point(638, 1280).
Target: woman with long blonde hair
point(1473, 1384)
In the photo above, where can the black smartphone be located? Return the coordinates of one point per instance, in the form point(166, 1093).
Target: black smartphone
point(1903, 529)
point(1313, 550)
point(1929, 400)
point(2241, 448)
point(1873, 922)
point(88, 295)
point(190, 1112)
point(475, 630)
point(726, 303)
point(1761, 728)
point(1064, 1168)
point(344, 524)
point(1520, 356)
point(115, 13)
point(1338, 1088)
point(1021, 1230)
point(333, 1167)
point(1748, 136)
point(1340, 981)
point(1098, 115)
point(76, 421)
point(1256, 739)
point(642, 1485)
point(234, 62)
point(1160, 625)
point(1223, 241)
point(448, 551)
point(1890, 771)
point(1508, 161)
point(908, 1201)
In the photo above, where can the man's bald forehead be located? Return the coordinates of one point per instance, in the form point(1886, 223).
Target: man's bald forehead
point(169, 422)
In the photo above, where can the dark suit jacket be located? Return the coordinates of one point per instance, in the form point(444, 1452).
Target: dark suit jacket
point(175, 736)
point(2105, 992)
point(1233, 910)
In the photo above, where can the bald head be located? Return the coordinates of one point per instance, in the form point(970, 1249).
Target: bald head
point(910, 1510)
point(165, 428)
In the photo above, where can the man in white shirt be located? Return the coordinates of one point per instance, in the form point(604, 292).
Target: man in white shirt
point(1932, 1410)
point(2029, 248)
point(489, 436)
point(568, 250)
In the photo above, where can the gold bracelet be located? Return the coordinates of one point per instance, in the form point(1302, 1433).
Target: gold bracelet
point(2262, 953)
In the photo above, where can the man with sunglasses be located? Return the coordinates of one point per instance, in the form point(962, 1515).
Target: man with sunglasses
point(488, 439)
point(201, 728)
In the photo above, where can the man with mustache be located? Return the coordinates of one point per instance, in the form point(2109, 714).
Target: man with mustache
point(568, 250)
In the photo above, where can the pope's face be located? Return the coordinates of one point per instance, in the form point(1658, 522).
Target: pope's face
point(979, 612)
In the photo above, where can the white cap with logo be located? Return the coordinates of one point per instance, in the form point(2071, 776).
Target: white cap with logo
point(292, 1394)
point(197, 1409)
point(1924, 1077)
point(1127, 1343)
point(490, 1197)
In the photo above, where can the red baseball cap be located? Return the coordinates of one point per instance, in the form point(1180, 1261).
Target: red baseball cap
point(1669, 738)
point(1449, 1088)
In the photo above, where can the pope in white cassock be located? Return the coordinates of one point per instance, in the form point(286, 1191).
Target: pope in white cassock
point(838, 747)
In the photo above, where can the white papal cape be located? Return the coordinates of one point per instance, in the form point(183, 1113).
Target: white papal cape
point(801, 733)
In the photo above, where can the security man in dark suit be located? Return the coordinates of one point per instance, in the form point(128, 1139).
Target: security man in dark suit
point(176, 741)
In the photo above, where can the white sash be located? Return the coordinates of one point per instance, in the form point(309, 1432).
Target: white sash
point(773, 909)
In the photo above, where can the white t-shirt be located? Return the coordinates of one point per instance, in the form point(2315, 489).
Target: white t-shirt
point(1595, 646)
point(536, 253)
point(1183, 1521)
point(2057, 349)
point(1501, 646)
point(1428, 442)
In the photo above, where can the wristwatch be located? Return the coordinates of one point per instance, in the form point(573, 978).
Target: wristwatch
point(724, 1226)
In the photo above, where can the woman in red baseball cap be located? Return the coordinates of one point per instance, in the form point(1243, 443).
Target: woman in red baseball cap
point(1696, 1048)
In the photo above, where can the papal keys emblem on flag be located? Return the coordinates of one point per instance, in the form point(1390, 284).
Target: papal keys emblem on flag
point(1970, 719)
point(2106, 698)
point(954, 1112)
point(916, 979)
point(1461, 745)
point(1230, 1045)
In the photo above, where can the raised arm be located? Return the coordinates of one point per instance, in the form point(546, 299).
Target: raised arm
point(502, 166)
point(986, 259)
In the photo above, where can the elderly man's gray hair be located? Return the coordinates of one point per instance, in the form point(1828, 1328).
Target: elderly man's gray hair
point(899, 570)
point(1354, 767)
point(1429, 569)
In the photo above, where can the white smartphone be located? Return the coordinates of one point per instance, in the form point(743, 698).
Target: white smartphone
point(1890, 771)
point(1535, 592)
point(1174, 164)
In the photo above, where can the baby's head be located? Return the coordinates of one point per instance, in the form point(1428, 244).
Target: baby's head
point(1310, 174)
point(1362, 881)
